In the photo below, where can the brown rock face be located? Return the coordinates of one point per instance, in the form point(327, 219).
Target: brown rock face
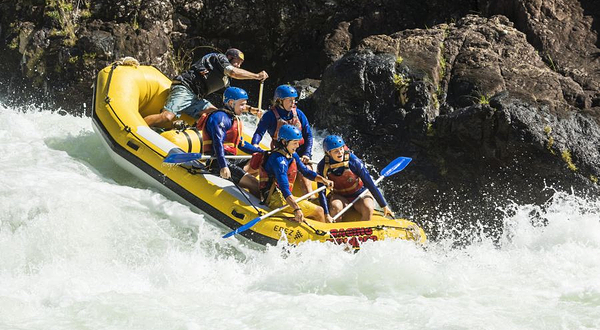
point(565, 35)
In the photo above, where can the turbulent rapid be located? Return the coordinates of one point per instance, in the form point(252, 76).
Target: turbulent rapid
point(85, 245)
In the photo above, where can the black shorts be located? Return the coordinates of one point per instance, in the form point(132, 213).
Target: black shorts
point(235, 167)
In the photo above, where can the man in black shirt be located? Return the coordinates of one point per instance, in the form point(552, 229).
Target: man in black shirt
point(210, 74)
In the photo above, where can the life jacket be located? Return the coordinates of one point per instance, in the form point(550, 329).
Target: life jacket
point(233, 135)
point(267, 182)
point(347, 183)
point(294, 121)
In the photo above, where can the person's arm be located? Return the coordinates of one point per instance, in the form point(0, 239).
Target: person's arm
point(322, 194)
point(248, 148)
point(359, 168)
point(241, 74)
point(217, 134)
point(298, 215)
point(280, 166)
point(261, 128)
point(310, 174)
point(306, 134)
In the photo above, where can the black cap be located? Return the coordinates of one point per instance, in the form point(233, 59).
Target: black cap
point(235, 53)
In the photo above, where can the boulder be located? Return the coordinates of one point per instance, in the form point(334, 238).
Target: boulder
point(486, 120)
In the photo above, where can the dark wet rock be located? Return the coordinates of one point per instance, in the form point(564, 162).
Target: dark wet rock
point(477, 108)
point(291, 40)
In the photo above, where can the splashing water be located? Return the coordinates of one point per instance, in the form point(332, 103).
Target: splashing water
point(84, 245)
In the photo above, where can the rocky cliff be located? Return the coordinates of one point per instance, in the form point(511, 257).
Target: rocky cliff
point(496, 101)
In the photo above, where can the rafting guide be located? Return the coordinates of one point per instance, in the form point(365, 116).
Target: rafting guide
point(208, 75)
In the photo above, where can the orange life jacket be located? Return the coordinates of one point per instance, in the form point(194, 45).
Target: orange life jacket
point(294, 121)
point(233, 135)
point(345, 184)
point(268, 183)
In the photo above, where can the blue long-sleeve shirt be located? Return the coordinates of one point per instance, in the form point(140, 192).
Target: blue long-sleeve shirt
point(268, 123)
point(277, 166)
point(217, 126)
point(357, 167)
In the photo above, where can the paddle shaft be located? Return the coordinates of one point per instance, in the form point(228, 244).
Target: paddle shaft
point(362, 194)
point(187, 157)
point(299, 199)
point(260, 93)
point(227, 157)
point(277, 210)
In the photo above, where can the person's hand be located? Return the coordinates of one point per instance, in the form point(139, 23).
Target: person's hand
point(327, 183)
point(255, 111)
point(262, 76)
point(329, 218)
point(388, 212)
point(306, 160)
point(225, 173)
point(259, 113)
point(298, 215)
point(179, 125)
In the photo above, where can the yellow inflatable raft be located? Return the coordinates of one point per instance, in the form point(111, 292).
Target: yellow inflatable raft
point(124, 94)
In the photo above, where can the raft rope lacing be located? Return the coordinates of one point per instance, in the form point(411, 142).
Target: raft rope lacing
point(107, 99)
point(259, 212)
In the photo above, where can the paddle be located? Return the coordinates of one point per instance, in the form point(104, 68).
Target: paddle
point(260, 92)
point(255, 220)
point(189, 156)
point(394, 167)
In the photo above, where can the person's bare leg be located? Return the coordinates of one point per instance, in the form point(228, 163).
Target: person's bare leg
point(318, 214)
point(305, 184)
point(210, 107)
point(365, 206)
point(250, 170)
point(337, 204)
point(160, 118)
point(249, 182)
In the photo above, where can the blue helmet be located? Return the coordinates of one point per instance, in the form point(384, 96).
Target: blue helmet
point(333, 142)
point(234, 93)
point(288, 132)
point(284, 91)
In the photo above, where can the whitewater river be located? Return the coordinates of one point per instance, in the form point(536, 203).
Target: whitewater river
point(83, 245)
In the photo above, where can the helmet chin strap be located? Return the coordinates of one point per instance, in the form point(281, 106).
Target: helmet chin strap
point(229, 106)
point(285, 143)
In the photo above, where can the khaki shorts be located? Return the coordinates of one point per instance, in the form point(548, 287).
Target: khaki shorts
point(277, 200)
point(182, 100)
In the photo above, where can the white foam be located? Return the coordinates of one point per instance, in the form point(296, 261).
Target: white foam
point(85, 245)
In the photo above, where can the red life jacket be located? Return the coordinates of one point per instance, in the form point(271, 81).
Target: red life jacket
point(233, 135)
point(345, 184)
point(268, 183)
point(294, 121)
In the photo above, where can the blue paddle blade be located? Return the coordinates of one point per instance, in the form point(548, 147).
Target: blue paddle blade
point(182, 158)
point(243, 228)
point(396, 166)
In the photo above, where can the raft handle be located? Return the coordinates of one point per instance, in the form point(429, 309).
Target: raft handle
point(132, 145)
point(238, 214)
